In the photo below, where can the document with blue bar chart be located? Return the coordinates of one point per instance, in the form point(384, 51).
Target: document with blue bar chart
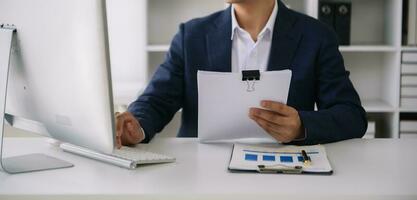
point(277, 158)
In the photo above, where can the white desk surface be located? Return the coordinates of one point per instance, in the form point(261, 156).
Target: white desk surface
point(363, 169)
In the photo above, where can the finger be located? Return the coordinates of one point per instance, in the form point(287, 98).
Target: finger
point(268, 126)
point(128, 129)
point(118, 141)
point(275, 131)
point(119, 125)
point(132, 134)
point(277, 107)
point(130, 139)
point(268, 115)
point(125, 140)
point(126, 137)
point(120, 120)
point(129, 126)
point(276, 135)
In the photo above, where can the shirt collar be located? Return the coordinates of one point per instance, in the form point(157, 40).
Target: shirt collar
point(269, 24)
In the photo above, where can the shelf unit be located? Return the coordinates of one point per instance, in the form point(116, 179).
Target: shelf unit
point(374, 58)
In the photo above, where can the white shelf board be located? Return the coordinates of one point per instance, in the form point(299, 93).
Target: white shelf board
point(157, 48)
point(408, 110)
point(373, 106)
point(367, 48)
point(409, 48)
point(352, 48)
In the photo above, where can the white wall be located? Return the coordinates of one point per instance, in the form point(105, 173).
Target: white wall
point(127, 35)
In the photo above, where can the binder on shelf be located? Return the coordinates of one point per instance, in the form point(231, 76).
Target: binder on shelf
point(412, 22)
point(409, 57)
point(342, 22)
point(326, 13)
point(408, 80)
point(409, 102)
point(409, 126)
point(338, 17)
point(405, 135)
point(404, 31)
point(409, 92)
point(409, 69)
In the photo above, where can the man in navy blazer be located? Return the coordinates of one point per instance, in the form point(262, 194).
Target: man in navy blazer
point(299, 43)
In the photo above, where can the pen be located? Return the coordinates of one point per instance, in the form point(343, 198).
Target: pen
point(306, 158)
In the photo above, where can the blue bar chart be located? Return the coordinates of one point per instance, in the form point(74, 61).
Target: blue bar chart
point(282, 157)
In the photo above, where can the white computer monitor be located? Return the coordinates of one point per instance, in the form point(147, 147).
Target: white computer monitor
point(60, 69)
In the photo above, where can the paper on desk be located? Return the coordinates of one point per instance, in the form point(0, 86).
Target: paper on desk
point(224, 102)
point(243, 157)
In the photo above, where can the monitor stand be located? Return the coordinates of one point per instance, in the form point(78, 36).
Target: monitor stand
point(22, 163)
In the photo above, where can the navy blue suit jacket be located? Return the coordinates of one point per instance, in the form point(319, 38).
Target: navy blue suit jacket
point(300, 43)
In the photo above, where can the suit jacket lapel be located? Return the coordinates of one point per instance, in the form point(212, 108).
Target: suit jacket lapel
point(219, 44)
point(284, 41)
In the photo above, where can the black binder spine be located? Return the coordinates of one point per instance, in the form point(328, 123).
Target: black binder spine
point(343, 13)
point(326, 13)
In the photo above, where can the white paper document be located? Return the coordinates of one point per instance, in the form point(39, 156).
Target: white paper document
point(249, 157)
point(224, 102)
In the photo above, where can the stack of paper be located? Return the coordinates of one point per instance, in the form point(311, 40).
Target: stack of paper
point(224, 102)
point(408, 129)
point(409, 79)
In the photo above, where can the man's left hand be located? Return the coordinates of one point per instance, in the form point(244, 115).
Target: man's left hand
point(282, 122)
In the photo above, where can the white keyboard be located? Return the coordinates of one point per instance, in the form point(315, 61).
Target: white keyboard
point(141, 156)
point(126, 157)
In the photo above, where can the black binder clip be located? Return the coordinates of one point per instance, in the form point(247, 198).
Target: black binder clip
point(278, 168)
point(250, 76)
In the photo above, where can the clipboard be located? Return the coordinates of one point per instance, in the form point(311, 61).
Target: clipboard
point(279, 159)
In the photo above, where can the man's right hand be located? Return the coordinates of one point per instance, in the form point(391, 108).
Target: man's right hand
point(128, 130)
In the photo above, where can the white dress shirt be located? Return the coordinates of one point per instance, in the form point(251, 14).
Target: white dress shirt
point(248, 54)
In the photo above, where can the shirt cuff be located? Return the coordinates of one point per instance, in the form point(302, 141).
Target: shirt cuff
point(302, 138)
point(143, 132)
